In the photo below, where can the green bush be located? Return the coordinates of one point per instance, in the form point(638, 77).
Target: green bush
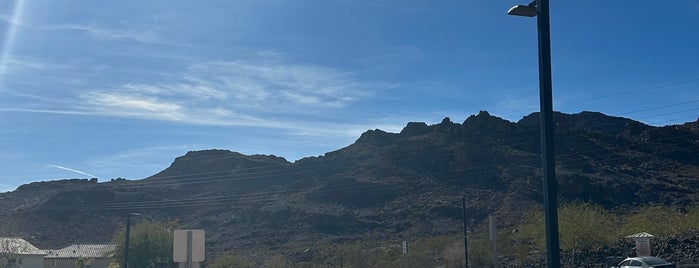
point(230, 261)
point(581, 226)
point(657, 220)
point(150, 245)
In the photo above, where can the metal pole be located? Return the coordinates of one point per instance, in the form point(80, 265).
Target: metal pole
point(189, 250)
point(126, 240)
point(493, 239)
point(463, 205)
point(405, 253)
point(547, 149)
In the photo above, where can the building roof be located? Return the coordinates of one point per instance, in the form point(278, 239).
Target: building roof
point(82, 251)
point(19, 246)
point(641, 235)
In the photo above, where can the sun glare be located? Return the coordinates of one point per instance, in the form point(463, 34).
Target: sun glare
point(13, 21)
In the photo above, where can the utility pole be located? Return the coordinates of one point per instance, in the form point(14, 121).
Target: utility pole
point(493, 239)
point(126, 239)
point(463, 205)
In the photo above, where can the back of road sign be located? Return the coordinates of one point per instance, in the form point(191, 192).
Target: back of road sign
point(188, 240)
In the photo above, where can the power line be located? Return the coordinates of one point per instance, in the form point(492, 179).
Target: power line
point(263, 196)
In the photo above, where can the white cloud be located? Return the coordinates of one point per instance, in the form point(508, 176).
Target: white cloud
point(149, 160)
point(270, 94)
point(132, 103)
point(233, 93)
point(13, 65)
point(10, 19)
point(191, 90)
point(400, 5)
point(31, 69)
point(44, 111)
point(6, 187)
point(280, 84)
point(146, 37)
point(511, 103)
point(15, 9)
point(269, 54)
point(73, 170)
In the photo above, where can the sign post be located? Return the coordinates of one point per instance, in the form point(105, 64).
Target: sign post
point(642, 243)
point(188, 248)
point(405, 253)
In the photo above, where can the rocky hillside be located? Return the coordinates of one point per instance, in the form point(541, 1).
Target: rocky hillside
point(381, 187)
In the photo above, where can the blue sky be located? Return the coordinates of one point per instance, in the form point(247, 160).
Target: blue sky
point(119, 89)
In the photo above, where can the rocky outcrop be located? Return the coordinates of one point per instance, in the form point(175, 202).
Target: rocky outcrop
point(384, 185)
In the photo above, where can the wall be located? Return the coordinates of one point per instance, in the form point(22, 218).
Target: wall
point(70, 263)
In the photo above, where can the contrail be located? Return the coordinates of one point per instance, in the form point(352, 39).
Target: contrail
point(74, 170)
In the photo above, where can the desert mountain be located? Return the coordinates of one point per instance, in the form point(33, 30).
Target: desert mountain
point(383, 186)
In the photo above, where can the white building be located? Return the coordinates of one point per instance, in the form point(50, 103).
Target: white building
point(86, 256)
point(18, 253)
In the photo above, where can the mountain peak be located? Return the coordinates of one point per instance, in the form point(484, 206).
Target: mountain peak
point(483, 120)
point(205, 161)
point(415, 129)
point(375, 137)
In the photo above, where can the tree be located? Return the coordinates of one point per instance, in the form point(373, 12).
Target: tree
point(150, 245)
point(83, 262)
point(657, 220)
point(661, 222)
point(581, 226)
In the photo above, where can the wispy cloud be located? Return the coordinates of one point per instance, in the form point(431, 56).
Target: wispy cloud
point(15, 65)
point(514, 103)
point(10, 19)
point(6, 187)
point(233, 93)
point(15, 9)
point(279, 84)
point(400, 5)
point(266, 94)
point(133, 105)
point(34, 68)
point(148, 159)
point(146, 37)
point(73, 170)
point(44, 111)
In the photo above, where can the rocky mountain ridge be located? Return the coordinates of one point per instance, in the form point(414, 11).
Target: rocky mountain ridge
point(383, 186)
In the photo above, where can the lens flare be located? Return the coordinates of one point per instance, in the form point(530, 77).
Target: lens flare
point(13, 22)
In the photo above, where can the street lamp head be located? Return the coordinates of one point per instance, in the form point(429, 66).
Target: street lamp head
point(522, 10)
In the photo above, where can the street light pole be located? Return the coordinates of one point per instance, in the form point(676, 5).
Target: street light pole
point(546, 107)
point(547, 147)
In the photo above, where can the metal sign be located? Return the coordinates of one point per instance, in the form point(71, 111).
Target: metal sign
point(405, 247)
point(188, 246)
point(643, 246)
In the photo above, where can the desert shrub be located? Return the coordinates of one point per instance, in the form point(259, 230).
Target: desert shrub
point(230, 261)
point(150, 245)
point(581, 226)
point(659, 221)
